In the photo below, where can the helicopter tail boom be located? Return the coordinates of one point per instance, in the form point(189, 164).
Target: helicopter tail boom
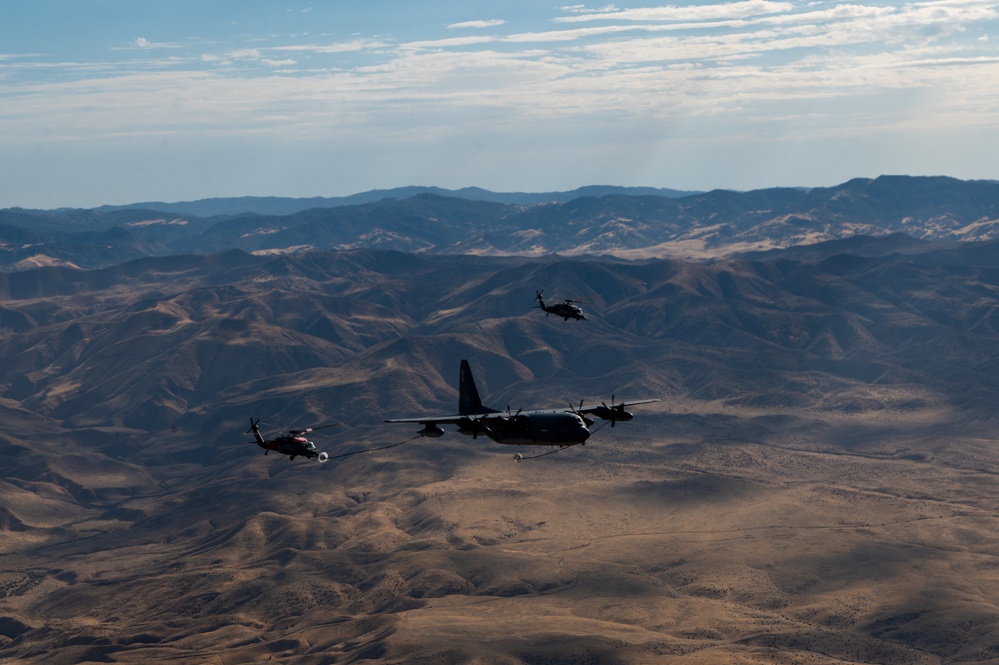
point(255, 429)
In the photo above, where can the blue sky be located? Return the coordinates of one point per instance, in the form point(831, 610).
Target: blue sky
point(118, 101)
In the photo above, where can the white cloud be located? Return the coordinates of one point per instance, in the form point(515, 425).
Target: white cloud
point(647, 76)
point(143, 43)
point(491, 23)
point(741, 9)
point(583, 9)
point(569, 35)
point(18, 56)
point(335, 47)
point(449, 42)
point(244, 54)
point(747, 68)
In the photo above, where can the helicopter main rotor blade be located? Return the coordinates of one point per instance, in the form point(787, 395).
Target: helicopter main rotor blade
point(318, 427)
point(311, 429)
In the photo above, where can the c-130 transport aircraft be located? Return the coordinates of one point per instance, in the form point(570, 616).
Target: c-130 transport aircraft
point(547, 427)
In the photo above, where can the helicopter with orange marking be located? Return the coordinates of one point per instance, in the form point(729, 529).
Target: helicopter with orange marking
point(292, 444)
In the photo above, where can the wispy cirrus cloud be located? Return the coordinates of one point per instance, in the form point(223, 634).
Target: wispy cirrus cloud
point(18, 56)
point(727, 71)
point(350, 46)
point(141, 43)
point(583, 9)
point(740, 9)
point(760, 49)
point(490, 23)
point(449, 42)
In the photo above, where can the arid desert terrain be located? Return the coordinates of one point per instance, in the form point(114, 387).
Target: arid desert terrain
point(700, 535)
point(816, 485)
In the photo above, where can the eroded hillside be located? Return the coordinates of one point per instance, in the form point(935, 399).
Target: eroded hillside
point(817, 484)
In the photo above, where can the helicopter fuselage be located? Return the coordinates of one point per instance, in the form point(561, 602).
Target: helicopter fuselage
point(293, 446)
point(567, 309)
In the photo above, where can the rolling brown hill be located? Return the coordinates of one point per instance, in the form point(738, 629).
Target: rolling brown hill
point(817, 485)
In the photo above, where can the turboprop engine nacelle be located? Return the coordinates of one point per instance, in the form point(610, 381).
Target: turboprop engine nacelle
point(612, 414)
point(431, 430)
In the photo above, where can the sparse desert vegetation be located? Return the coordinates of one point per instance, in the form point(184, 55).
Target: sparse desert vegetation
point(641, 545)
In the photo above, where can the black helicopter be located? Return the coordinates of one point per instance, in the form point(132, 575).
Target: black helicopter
point(292, 444)
point(550, 427)
point(567, 309)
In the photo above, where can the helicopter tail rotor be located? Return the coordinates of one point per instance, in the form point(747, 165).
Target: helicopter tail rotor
point(255, 430)
point(323, 456)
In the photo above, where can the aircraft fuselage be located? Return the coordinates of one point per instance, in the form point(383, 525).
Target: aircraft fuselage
point(554, 427)
point(546, 427)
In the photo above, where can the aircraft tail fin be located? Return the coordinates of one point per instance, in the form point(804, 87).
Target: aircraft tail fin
point(469, 403)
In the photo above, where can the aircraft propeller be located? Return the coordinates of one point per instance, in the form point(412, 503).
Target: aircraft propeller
point(614, 412)
point(587, 421)
point(475, 426)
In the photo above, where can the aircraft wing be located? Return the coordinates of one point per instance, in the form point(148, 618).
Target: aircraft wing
point(616, 405)
point(445, 420)
point(615, 412)
point(454, 420)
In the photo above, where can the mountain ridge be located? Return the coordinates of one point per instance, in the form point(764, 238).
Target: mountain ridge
point(701, 227)
point(280, 205)
point(838, 313)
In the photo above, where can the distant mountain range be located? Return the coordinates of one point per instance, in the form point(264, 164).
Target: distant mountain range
point(274, 205)
point(621, 222)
